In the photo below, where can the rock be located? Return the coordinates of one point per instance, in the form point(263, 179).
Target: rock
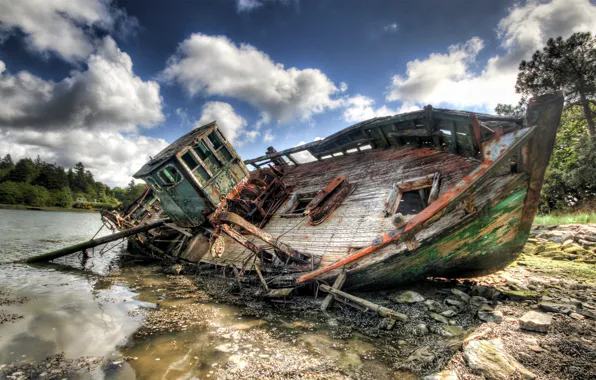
point(586, 313)
point(420, 356)
point(453, 302)
point(443, 375)
point(489, 358)
point(520, 295)
point(461, 295)
point(439, 318)
point(421, 329)
point(535, 321)
point(449, 313)
point(536, 348)
point(450, 331)
point(558, 236)
point(409, 297)
point(490, 316)
point(477, 301)
point(432, 305)
point(538, 249)
point(556, 307)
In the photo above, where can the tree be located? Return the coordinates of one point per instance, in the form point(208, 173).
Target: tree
point(24, 171)
point(568, 65)
point(6, 162)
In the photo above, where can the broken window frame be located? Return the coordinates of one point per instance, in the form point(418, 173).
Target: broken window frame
point(153, 184)
point(201, 171)
point(291, 210)
point(167, 179)
point(393, 201)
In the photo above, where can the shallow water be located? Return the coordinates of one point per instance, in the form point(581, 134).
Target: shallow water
point(72, 306)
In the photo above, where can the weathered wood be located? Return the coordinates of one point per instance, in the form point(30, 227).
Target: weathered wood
point(339, 282)
point(381, 310)
point(92, 243)
point(261, 278)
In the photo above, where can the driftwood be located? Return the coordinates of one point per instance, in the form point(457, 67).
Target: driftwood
point(381, 310)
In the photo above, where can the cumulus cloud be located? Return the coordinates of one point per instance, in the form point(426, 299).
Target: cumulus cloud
point(449, 78)
point(229, 122)
point(91, 116)
point(108, 95)
point(359, 108)
point(214, 65)
point(111, 156)
point(65, 27)
point(305, 156)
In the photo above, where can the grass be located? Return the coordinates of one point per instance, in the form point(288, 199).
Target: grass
point(580, 218)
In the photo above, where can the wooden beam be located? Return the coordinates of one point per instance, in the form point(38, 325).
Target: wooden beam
point(381, 310)
point(339, 282)
point(453, 130)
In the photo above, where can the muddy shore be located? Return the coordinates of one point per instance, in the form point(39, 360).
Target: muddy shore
point(533, 320)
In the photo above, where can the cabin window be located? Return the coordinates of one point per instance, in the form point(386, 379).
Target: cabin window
point(152, 184)
point(215, 140)
point(189, 160)
point(202, 175)
point(226, 154)
point(207, 156)
point(170, 176)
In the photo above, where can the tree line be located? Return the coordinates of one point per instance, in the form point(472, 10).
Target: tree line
point(38, 183)
point(567, 65)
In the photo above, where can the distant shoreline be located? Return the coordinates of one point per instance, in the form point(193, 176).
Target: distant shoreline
point(42, 208)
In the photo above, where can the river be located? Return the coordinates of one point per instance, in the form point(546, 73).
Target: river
point(95, 307)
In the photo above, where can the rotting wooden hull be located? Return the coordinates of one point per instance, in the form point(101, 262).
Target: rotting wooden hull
point(477, 225)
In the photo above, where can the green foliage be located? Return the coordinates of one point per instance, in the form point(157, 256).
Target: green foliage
point(38, 183)
point(570, 178)
point(568, 65)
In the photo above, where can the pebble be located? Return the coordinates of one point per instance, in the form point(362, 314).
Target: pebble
point(439, 318)
point(409, 297)
point(462, 295)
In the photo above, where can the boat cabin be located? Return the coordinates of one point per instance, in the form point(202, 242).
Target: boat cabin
point(193, 173)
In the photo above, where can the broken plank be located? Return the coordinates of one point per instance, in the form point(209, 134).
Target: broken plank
point(339, 282)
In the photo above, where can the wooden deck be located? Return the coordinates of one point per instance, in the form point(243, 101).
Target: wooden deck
point(360, 218)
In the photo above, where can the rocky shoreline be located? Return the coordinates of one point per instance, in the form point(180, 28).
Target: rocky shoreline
point(533, 320)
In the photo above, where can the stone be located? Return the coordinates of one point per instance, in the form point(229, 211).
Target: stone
point(432, 305)
point(556, 307)
point(489, 358)
point(450, 331)
point(538, 249)
point(535, 321)
point(421, 329)
point(409, 297)
point(586, 313)
point(449, 313)
point(520, 295)
point(443, 375)
point(490, 316)
point(477, 301)
point(461, 295)
point(453, 302)
point(558, 236)
point(535, 348)
point(439, 318)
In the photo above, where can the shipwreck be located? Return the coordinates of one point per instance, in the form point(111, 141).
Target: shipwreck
point(430, 193)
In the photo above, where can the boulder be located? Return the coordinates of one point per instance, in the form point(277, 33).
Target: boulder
point(535, 321)
point(558, 236)
point(409, 297)
point(449, 313)
point(489, 358)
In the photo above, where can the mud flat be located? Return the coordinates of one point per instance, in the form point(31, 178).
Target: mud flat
point(533, 320)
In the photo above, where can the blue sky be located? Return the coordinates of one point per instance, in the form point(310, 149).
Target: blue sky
point(110, 83)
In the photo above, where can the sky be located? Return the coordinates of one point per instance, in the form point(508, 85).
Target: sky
point(110, 83)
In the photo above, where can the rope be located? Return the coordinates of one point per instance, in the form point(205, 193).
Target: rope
point(296, 225)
